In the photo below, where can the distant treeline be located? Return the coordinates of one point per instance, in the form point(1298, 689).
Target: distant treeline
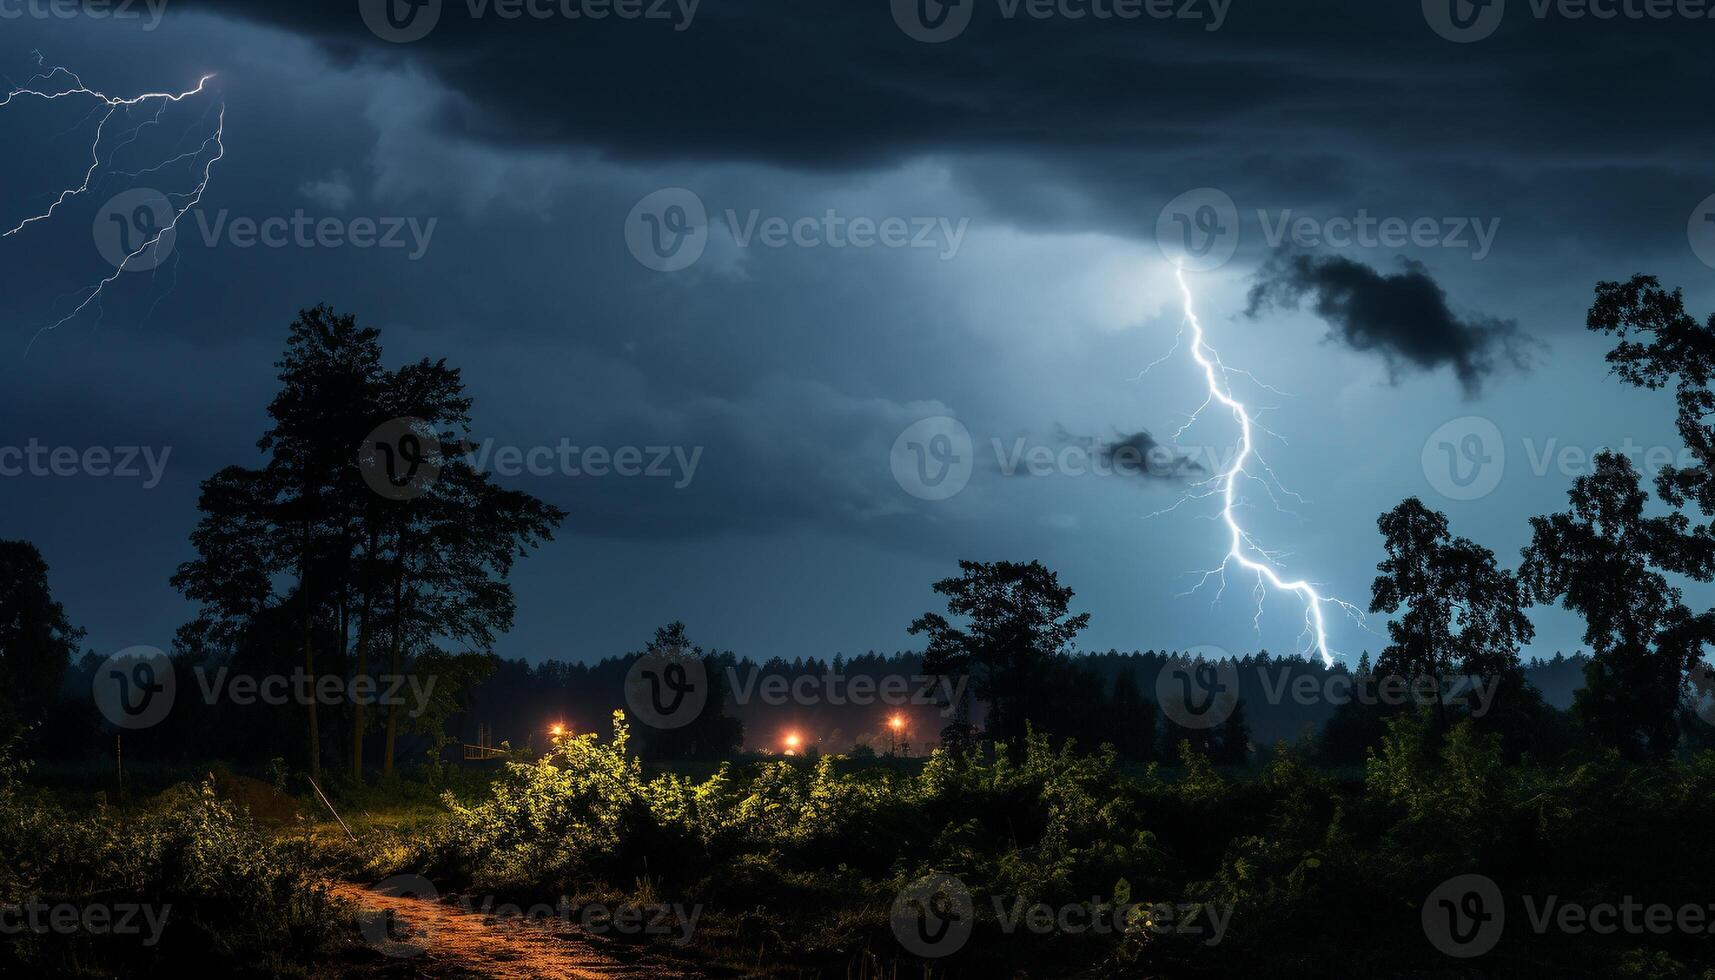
point(1105, 697)
point(1094, 698)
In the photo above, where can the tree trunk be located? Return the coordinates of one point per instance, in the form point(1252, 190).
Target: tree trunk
point(310, 655)
point(398, 665)
point(365, 618)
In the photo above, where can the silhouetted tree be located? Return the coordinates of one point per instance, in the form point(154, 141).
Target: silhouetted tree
point(1358, 722)
point(452, 547)
point(238, 554)
point(1231, 744)
point(456, 676)
point(37, 641)
point(1601, 560)
point(1660, 343)
point(433, 565)
point(329, 377)
point(1463, 614)
point(711, 734)
point(1018, 628)
point(1131, 718)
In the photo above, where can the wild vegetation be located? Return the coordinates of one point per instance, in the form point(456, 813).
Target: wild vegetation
point(1061, 792)
point(188, 878)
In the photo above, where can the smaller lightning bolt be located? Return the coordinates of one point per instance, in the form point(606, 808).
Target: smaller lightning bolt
point(57, 82)
point(1241, 549)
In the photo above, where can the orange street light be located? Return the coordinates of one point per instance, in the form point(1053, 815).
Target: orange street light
point(896, 723)
point(557, 730)
point(793, 742)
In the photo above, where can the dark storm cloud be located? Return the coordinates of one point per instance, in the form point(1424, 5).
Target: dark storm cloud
point(1403, 317)
point(835, 84)
point(1093, 124)
point(1138, 455)
point(1141, 455)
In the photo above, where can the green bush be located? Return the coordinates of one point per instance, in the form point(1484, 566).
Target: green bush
point(225, 894)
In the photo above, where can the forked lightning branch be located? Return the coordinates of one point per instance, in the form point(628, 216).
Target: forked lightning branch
point(145, 219)
point(1242, 548)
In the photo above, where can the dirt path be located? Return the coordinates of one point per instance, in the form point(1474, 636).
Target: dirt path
point(439, 939)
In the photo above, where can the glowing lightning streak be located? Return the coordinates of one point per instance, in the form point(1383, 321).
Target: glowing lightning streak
point(115, 104)
point(1215, 373)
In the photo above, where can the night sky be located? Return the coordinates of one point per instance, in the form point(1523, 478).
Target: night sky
point(1024, 162)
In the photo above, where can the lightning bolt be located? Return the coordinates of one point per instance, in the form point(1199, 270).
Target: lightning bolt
point(56, 82)
point(1242, 550)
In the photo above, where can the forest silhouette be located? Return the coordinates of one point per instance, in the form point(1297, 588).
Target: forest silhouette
point(1260, 798)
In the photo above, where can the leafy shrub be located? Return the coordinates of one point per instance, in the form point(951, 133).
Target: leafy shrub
point(226, 895)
